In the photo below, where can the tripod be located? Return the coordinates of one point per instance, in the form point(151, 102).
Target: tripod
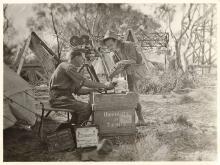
point(90, 69)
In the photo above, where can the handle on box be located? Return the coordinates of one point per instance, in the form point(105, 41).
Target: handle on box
point(85, 123)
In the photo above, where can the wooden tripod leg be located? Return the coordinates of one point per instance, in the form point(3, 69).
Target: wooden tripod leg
point(68, 116)
point(92, 70)
point(40, 131)
point(48, 113)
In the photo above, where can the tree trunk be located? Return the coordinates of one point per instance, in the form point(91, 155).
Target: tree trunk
point(178, 56)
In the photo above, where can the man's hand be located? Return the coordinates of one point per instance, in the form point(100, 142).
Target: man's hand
point(129, 69)
point(110, 85)
point(85, 91)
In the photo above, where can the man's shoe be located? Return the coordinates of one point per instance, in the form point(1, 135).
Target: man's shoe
point(36, 126)
point(63, 126)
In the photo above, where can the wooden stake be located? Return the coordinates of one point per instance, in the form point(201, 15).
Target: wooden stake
point(210, 42)
point(23, 54)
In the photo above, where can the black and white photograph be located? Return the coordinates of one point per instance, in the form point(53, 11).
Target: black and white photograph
point(109, 82)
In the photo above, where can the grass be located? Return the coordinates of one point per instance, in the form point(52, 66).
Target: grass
point(183, 121)
point(143, 149)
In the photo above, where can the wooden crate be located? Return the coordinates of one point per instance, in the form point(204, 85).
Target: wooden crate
point(114, 113)
point(60, 140)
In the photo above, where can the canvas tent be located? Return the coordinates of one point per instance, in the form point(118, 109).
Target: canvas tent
point(18, 103)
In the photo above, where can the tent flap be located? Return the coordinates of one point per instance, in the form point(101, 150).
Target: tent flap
point(21, 105)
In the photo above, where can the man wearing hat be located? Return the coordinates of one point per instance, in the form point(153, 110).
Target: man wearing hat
point(65, 81)
point(126, 51)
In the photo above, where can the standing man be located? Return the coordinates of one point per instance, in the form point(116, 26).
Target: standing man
point(126, 51)
point(65, 81)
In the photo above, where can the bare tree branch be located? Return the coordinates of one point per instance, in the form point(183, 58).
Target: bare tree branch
point(98, 25)
point(86, 21)
point(190, 36)
point(77, 30)
point(204, 15)
point(81, 26)
point(55, 31)
point(61, 47)
point(171, 31)
point(94, 21)
point(189, 22)
point(6, 25)
point(64, 40)
point(192, 28)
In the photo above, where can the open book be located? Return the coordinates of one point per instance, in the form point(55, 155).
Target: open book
point(119, 67)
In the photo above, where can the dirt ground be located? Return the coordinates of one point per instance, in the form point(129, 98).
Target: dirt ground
point(180, 127)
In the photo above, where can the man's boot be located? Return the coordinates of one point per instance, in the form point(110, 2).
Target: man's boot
point(69, 123)
point(74, 118)
point(141, 121)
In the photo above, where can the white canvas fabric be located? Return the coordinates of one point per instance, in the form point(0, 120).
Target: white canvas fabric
point(19, 91)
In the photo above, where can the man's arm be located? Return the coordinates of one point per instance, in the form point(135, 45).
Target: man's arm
point(79, 79)
point(133, 53)
point(139, 57)
point(93, 84)
point(85, 91)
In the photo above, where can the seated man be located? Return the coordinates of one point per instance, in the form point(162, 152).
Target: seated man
point(66, 80)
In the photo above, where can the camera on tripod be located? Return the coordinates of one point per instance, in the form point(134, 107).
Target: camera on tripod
point(83, 45)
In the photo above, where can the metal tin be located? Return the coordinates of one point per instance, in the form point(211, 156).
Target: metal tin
point(86, 136)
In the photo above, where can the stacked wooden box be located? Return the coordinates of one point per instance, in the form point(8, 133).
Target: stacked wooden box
point(60, 140)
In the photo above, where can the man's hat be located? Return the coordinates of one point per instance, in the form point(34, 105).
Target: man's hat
point(109, 35)
point(75, 41)
point(72, 54)
point(85, 39)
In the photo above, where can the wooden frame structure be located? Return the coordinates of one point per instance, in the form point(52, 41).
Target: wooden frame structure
point(203, 40)
point(46, 57)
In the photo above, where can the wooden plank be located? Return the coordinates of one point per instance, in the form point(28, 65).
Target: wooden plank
point(194, 51)
point(32, 65)
point(204, 66)
point(20, 65)
point(42, 76)
point(142, 55)
point(49, 108)
point(43, 53)
point(114, 100)
point(213, 60)
point(210, 40)
point(18, 57)
point(42, 97)
point(33, 34)
point(23, 54)
point(41, 88)
point(203, 42)
point(130, 33)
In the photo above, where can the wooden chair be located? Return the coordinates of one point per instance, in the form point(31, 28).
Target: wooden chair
point(48, 61)
point(49, 109)
point(43, 105)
